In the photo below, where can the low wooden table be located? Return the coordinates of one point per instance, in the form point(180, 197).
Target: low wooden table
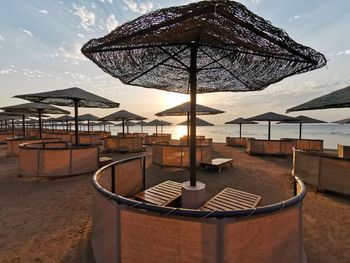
point(162, 194)
point(218, 162)
point(103, 161)
point(231, 199)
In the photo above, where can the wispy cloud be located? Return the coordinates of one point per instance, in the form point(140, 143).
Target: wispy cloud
point(43, 11)
point(1, 38)
point(111, 23)
point(109, 1)
point(26, 32)
point(87, 17)
point(72, 52)
point(345, 52)
point(143, 7)
point(294, 18)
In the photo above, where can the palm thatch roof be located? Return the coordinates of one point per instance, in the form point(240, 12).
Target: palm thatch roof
point(343, 121)
point(65, 118)
point(122, 115)
point(185, 108)
point(126, 123)
point(87, 117)
point(336, 99)
point(271, 116)
point(241, 121)
point(237, 50)
point(157, 123)
point(35, 108)
point(303, 119)
point(68, 97)
point(199, 122)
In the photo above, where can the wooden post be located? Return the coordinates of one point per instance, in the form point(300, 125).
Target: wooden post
point(76, 122)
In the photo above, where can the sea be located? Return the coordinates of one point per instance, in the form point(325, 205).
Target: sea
point(331, 134)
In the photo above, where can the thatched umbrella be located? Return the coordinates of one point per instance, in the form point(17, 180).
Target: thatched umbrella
point(185, 109)
point(71, 97)
point(66, 119)
point(158, 123)
point(127, 124)
point(141, 123)
point(88, 117)
point(123, 116)
point(240, 121)
point(38, 108)
point(336, 99)
point(302, 119)
point(199, 122)
point(104, 123)
point(344, 121)
point(17, 115)
point(202, 47)
point(271, 116)
point(6, 117)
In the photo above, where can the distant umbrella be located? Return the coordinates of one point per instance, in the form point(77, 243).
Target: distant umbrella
point(38, 108)
point(199, 122)
point(302, 119)
point(270, 116)
point(158, 123)
point(336, 99)
point(88, 117)
point(123, 116)
point(141, 123)
point(344, 121)
point(240, 121)
point(66, 119)
point(127, 124)
point(71, 97)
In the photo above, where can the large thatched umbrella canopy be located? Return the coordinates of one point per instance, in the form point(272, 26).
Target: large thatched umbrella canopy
point(157, 123)
point(123, 116)
point(127, 124)
point(271, 116)
point(88, 117)
point(199, 122)
point(240, 121)
point(6, 116)
point(336, 99)
point(38, 108)
point(71, 97)
point(302, 119)
point(202, 47)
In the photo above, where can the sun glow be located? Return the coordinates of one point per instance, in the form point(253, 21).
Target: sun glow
point(174, 99)
point(180, 131)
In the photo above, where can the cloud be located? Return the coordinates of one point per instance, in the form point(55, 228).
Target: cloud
point(109, 1)
point(93, 5)
point(345, 52)
point(43, 11)
point(26, 32)
point(111, 23)
point(87, 17)
point(81, 35)
point(1, 38)
point(72, 52)
point(143, 7)
point(294, 18)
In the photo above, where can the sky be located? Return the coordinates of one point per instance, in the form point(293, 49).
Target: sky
point(40, 42)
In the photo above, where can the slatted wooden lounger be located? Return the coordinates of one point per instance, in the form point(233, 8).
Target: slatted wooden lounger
point(162, 194)
point(218, 163)
point(232, 199)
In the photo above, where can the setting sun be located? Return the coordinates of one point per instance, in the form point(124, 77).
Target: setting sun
point(174, 99)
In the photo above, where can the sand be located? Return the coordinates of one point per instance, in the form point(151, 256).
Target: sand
point(44, 220)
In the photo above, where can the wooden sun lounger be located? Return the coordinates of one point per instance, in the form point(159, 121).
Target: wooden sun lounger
point(232, 199)
point(218, 162)
point(162, 194)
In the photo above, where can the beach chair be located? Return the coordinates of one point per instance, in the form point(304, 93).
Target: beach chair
point(231, 199)
point(167, 193)
point(218, 163)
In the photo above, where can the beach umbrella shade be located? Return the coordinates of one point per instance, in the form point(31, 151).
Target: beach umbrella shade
point(343, 121)
point(185, 109)
point(17, 115)
point(201, 47)
point(141, 123)
point(104, 123)
point(66, 119)
point(158, 123)
point(302, 119)
point(127, 124)
point(38, 108)
point(336, 99)
point(71, 97)
point(11, 117)
point(123, 116)
point(270, 116)
point(88, 117)
point(199, 122)
point(240, 121)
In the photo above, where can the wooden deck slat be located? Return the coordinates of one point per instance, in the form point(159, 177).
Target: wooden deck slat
point(165, 188)
point(232, 199)
point(160, 193)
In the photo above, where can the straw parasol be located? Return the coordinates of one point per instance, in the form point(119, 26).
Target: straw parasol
point(201, 47)
point(240, 121)
point(123, 116)
point(38, 108)
point(6, 117)
point(199, 122)
point(158, 123)
point(127, 124)
point(71, 97)
point(141, 123)
point(336, 99)
point(343, 121)
point(88, 117)
point(17, 115)
point(302, 119)
point(271, 116)
point(66, 119)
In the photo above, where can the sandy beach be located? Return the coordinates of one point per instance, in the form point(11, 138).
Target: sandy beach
point(50, 220)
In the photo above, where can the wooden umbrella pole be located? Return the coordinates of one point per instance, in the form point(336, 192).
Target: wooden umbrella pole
point(40, 124)
point(23, 126)
point(300, 124)
point(188, 128)
point(88, 127)
point(156, 130)
point(13, 127)
point(76, 122)
point(193, 89)
point(240, 130)
point(123, 120)
point(269, 131)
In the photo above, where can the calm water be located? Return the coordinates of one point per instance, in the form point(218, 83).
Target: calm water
point(332, 134)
